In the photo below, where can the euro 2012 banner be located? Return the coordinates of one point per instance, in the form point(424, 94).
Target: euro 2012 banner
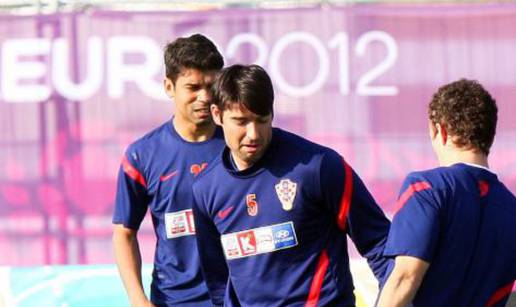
point(76, 88)
point(99, 285)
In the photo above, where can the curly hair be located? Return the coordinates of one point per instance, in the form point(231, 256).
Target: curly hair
point(196, 51)
point(468, 112)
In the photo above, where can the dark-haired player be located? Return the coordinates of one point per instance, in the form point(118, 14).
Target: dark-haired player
point(157, 172)
point(273, 211)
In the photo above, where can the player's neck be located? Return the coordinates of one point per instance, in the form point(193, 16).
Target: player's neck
point(463, 156)
point(238, 165)
point(191, 132)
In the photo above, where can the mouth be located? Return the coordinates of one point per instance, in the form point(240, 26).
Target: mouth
point(202, 112)
point(251, 148)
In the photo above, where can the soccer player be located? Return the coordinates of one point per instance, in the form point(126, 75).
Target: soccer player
point(157, 172)
point(272, 212)
point(453, 236)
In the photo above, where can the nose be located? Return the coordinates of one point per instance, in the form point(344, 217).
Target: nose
point(203, 95)
point(253, 133)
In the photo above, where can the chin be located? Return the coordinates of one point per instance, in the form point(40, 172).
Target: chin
point(203, 121)
point(252, 159)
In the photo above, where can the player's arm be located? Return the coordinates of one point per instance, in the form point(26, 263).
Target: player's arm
point(412, 240)
point(356, 211)
point(211, 254)
point(129, 262)
point(404, 281)
point(130, 207)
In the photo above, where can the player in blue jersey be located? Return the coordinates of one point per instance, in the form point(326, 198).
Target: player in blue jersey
point(273, 211)
point(157, 172)
point(453, 236)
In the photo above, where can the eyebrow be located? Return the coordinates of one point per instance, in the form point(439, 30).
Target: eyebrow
point(238, 117)
point(249, 118)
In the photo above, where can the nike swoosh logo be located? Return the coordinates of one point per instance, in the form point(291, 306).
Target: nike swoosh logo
point(167, 177)
point(224, 213)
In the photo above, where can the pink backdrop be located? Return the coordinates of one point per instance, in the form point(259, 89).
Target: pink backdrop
point(76, 88)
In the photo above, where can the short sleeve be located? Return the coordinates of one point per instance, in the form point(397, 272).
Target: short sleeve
point(415, 228)
point(132, 199)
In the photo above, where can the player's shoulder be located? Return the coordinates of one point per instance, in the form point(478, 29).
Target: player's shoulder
point(435, 178)
point(503, 195)
point(294, 149)
point(295, 143)
point(209, 175)
point(151, 139)
point(455, 178)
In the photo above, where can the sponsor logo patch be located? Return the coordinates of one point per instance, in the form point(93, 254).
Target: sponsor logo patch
point(286, 191)
point(179, 224)
point(260, 240)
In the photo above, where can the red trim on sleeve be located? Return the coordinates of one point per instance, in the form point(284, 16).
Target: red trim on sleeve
point(500, 294)
point(413, 188)
point(317, 282)
point(132, 172)
point(345, 201)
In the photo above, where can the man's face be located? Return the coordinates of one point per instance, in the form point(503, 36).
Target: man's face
point(191, 94)
point(247, 134)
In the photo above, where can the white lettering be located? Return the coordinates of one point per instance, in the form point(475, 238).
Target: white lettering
point(363, 87)
point(61, 67)
point(322, 74)
point(141, 74)
point(252, 39)
point(15, 70)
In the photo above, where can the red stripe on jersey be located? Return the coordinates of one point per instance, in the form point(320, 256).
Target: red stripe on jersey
point(132, 172)
point(317, 282)
point(413, 188)
point(345, 201)
point(500, 294)
point(483, 186)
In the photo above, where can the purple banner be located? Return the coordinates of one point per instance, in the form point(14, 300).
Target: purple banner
point(77, 88)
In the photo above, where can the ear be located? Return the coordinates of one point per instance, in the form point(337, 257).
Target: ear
point(216, 114)
point(169, 87)
point(442, 133)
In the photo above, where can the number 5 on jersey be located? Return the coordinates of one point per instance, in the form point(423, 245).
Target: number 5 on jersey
point(252, 204)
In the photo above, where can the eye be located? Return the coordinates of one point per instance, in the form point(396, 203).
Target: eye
point(193, 87)
point(240, 121)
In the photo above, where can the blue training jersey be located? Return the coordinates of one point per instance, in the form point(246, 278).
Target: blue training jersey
point(157, 172)
point(278, 229)
point(461, 220)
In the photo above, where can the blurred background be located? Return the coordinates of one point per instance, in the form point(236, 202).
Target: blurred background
point(80, 80)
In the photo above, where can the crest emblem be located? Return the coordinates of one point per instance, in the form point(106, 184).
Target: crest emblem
point(286, 191)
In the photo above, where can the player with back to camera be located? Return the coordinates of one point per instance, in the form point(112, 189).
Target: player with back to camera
point(453, 237)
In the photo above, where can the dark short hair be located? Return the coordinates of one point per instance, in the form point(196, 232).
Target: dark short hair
point(196, 51)
point(469, 113)
point(249, 86)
